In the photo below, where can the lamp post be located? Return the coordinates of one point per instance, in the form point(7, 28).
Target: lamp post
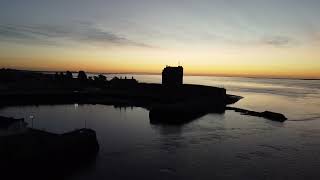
point(32, 118)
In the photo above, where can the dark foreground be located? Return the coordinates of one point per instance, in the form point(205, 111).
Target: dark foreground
point(53, 156)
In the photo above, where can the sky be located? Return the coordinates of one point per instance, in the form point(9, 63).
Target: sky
point(263, 38)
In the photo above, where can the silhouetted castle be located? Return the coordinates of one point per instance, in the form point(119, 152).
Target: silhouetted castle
point(172, 76)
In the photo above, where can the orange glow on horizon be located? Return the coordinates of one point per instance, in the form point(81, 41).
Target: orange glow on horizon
point(222, 61)
point(209, 70)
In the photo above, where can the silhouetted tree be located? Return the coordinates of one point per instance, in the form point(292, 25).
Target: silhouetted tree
point(102, 77)
point(56, 76)
point(69, 75)
point(61, 76)
point(82, 76)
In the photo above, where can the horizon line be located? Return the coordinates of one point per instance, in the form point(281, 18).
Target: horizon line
point(187, 74)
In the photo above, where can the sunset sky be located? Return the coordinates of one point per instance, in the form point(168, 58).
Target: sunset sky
point(270, 38)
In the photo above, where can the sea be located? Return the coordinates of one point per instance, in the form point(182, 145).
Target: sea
point(214, 146)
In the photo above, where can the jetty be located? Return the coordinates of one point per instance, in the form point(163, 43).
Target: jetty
point(265, 114)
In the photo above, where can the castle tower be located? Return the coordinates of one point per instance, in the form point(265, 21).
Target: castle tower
point(172, 76)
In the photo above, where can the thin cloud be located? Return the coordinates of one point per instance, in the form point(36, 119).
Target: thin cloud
point(312, 34)
point(53, 34)
point(278, 41)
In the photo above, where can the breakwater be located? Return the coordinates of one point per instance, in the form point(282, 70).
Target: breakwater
point(274, 116)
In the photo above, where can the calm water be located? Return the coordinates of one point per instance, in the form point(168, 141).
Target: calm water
point(221, 146)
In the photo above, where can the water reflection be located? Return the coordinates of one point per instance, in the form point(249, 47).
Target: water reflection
point(221, 146)
point(228, 142)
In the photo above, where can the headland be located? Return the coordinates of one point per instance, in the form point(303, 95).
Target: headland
point(171, 102)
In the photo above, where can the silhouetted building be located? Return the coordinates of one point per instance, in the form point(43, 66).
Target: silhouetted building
point(172, 76)
point(123, 83)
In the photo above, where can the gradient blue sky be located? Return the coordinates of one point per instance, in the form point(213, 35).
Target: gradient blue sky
point(224, 37)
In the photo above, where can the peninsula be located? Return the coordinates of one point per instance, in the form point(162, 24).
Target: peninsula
point(171, 102)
